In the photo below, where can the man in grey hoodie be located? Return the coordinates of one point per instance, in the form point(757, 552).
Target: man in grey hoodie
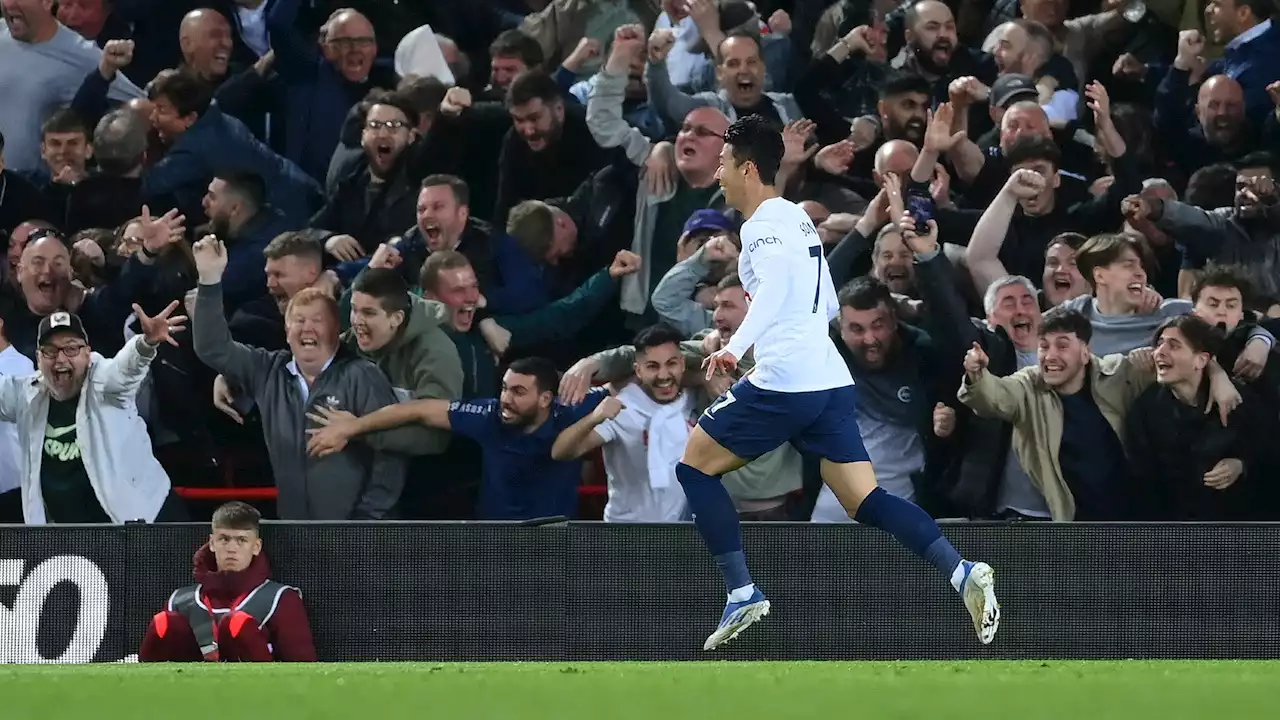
point(359, 483)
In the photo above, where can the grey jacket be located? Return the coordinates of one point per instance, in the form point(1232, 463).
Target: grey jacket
point(673, 104)
point(356, 484)
point(610, 130)
point(673, 297)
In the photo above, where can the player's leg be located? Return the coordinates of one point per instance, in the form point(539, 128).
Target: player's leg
point(846, 469)
point(738, 426)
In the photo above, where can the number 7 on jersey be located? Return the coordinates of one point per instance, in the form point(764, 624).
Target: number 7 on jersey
point(815, 251)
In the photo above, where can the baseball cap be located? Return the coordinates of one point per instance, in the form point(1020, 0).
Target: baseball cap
point(1008, 88)
point(60, 322)
point(706, 219)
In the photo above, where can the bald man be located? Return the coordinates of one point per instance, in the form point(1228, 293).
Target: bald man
point(1217, 131)
point(321, 84)
point(205, 39)
point(895, 156)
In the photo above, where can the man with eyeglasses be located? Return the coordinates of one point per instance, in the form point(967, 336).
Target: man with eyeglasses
point(369, 207)
point(94, 463)
point(322, 86)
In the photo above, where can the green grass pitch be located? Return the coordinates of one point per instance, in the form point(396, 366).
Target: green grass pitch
point(1031, 690)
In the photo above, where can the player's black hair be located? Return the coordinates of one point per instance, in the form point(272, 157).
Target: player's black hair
point(757, 140)
point(543, 371)
point(656, 336)
point(1065, 320)
point(903, 83)
point(866, 293)
point(1200, 335)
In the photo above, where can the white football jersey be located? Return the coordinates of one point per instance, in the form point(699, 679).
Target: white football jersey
point(791, 301)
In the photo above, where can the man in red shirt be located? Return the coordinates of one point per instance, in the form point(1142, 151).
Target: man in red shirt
point(233, 612)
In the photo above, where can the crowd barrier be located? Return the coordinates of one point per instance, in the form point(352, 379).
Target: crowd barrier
point(591, 591)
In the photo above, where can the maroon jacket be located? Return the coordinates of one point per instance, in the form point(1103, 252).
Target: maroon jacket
point(287, 631)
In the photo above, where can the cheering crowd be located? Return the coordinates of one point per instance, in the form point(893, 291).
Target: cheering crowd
point(427, 260)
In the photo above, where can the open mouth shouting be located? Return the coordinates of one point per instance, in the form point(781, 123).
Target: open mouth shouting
point(432, 232)
point(1163, 366)
point(665, 388)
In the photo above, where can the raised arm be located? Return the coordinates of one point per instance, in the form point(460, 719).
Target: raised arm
point(1003, 398)
point(244, 366)
point(588, 433)
point(983, 254)
point(604, 103)
point(672, 104)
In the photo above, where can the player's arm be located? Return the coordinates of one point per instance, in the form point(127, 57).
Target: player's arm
point(762, 246)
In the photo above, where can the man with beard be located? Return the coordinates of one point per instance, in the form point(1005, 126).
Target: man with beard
point(892, 262)
point(1245, 234)
point(515, 433)
point(1186, 463)
point(763, 489)
point(1218, 131)
point(898, 375)
point(367, 208)
point(932, 48)
point(659, 218)
point(315, 372)
point(42, 65)
point(1252, 53)
point(94, 461)
point(902, 115)
point(642, 430)
point(236, 207)
point(739, 72)
point(549, 151)
point(1067, 414)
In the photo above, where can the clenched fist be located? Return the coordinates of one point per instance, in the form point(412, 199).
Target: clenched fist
point(624, 263)
point(944, 420)
point(608, 409)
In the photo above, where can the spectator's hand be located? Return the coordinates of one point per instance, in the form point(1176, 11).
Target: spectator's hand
point(628, 43)
point(944, 420)
point(1129, 67)
point(264, 63)
point(1273, 91)
point(705, 14)
point(68, 175)
point(160, 328)
point(1099, 101)
point(909, 308)
point(719, 249)
point(1223, 394)
point(780, 23)
point(660, 172)
point(975, 362)
point(1224, 474)
point(940, 186)
point(863, 133)
point(1143, 360)
point(1024, 184)
point(224, 400)
point(1136, 207)
point(965, 91)
point(456, 99)
point(329, 283)
point(938, 137)
point(893, 192)
point(386, 256)
point(495, 336)
point(211, 259)
point(660, 43)
point(1252, 360)
point(344, 247)
point(159, 233)
point(1190, 51)
point(836, 157)
point(839, 223)
point(333, 434)
point(608, 409)
point(116, 54)
point(1259, 190)
point(863, 40)
point(718, 385)
point(624, 263)
point(1150, 302)
point(794, 137)
point(588, 49)
point(1099, 187)
point(720, 361)
point(920, 244)
point(576, 381)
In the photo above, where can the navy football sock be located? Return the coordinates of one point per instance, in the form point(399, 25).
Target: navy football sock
point(911, 526)
point(717, 521)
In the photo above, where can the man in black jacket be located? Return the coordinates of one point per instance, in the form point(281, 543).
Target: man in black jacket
point(1186, 464)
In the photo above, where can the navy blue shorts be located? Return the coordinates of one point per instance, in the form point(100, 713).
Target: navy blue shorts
point(750, 422)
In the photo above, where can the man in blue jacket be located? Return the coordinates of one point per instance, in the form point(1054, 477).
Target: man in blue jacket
point(236, 205)
point(204, 142)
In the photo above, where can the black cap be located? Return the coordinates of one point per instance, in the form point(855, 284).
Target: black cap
point(60, 322)
point(1012, 87)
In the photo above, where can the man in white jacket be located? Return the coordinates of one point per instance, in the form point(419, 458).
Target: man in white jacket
point(12, 363)
point(84, 453)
